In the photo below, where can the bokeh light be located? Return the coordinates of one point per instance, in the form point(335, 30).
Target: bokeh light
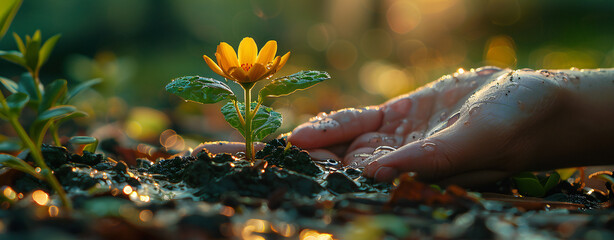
point(403, 16)
point(310, 234)
point(501, 52)
point(382, 78)
point(146, 215)
point(127, 190)
point(341, 54)
point(54, 211)
point(9, 193)
point(40, 197)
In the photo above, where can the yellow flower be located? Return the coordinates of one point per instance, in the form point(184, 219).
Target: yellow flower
point(248, 66)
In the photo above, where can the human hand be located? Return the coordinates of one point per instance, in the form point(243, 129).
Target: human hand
point(474, 127)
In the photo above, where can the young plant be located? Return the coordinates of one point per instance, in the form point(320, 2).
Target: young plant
point(246, 68)
point(49, 102)
point(10, 109)
point(533, 185)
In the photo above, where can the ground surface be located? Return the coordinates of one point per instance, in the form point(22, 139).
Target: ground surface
point(284, 195)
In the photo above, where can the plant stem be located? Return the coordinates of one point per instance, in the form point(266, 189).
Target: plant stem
point(54, 134)
point(249, 144)
point(38, 158)
point(37, 83)
point(241, 120)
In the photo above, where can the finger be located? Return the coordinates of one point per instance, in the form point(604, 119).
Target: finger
point(335, 128)
point(225, 147)
point(322, 154)
point(339, 149)
point(358, 157)
point(458, 148)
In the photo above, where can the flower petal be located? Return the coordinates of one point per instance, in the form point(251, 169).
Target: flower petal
point(272, 68)
point(228, 56)
point(283, 61)
point(214, 67)
point(248, 51)
point(267, 53)
point(238, 74)
point(255, 73)
point(222, 63)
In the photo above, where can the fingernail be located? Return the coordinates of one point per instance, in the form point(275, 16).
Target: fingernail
point(385, 174)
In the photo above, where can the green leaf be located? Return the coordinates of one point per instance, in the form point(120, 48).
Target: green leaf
point(9, 84)
point(289, 84)
point(76, 114)
point(37, 36)
point(46, 49)
point(28, 86)
point(551, 181)
point(56, 113)
point(14, 57)
point(566, 173)
point(231, 116)
point(265, 122)
point(200, 89)
point(8, 10)
point(528, 185)
point(16, 102)
point(10, 145)
point(605, 176)
point(91, 143)
point(82, 140)
point(44, 119)
point(53, 92)
point(82, 86)
point(17, 164)
point(22, 48)
point(32, 49)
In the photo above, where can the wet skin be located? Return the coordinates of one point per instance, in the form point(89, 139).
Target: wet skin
point(474, 127)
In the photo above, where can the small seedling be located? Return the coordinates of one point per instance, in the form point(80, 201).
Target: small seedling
point(85, 143)
point(246, 68)
point(50, 102)
point(607, 178)
point(532, 185)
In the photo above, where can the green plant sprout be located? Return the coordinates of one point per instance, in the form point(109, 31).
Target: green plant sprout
point(85, 143)
point(607, 177)
point(246, 68)
point(49, 102)
point(533, 185)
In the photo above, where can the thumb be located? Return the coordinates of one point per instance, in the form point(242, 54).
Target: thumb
point(469, 144)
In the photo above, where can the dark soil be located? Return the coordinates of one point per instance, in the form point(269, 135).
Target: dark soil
point(284, 194)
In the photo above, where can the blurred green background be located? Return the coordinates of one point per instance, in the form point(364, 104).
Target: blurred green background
point(373, 49)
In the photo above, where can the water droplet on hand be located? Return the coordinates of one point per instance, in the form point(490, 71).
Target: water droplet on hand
point(473, 110)
point(428, 146)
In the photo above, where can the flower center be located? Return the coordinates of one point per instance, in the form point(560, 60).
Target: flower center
point(246, 66)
